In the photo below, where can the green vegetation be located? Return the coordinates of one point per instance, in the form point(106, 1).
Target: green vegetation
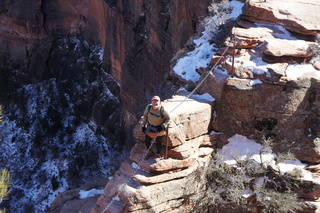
point(253, 186)
point(315, 49)
point(4, 176)
point(4, 185)
point(1, 114)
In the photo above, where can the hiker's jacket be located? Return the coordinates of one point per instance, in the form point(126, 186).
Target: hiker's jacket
point(155, 117)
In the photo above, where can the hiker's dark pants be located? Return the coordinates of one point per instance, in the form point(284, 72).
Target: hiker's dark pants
point(158, 142)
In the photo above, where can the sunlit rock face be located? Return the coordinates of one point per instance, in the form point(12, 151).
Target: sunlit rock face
point(297, 16)
point(74, 75)
point(144, 37)
point(176, 184)
point(275, 90)
point(287, 112)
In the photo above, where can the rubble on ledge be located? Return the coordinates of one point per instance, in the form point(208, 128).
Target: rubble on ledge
point(165, 185)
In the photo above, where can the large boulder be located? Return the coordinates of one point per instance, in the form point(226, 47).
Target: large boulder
point(184, 126)
point(287, 112)
point(294, 15)
point(162, 186)
point(283, 47)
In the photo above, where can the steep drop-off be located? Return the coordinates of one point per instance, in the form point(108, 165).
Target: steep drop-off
point(75, 75)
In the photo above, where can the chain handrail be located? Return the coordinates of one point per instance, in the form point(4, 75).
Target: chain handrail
point(201, 82)
point(153, 140)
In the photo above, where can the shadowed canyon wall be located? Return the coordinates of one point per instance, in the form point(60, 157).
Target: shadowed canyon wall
point(139, 39)
point(74, 78)
point(142, 37)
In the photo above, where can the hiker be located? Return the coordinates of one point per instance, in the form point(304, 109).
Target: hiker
point(155, 121)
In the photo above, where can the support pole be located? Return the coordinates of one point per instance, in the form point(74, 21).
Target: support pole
point(167, 141)
point(233, 53)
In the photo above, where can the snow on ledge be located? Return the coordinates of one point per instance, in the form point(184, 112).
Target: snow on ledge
point(298, 71)
point(186, 67)
point(241, 147)
point(91, 193)
point(204, 97)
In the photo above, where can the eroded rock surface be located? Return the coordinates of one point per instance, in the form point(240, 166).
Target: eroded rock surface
point(168, 185)
point(272, 96)
point(294, 15)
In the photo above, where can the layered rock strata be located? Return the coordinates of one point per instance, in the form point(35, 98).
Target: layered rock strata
point(297, 16)
point(105, 58)
point(274, 92)
point(138, 39)
point(169, 185)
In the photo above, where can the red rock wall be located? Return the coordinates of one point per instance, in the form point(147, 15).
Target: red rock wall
point(139, 38)
point(142, 37)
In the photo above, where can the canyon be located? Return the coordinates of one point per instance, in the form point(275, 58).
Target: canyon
point(76, 76)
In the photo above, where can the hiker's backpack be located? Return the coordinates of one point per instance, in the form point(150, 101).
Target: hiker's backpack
point(161, 110)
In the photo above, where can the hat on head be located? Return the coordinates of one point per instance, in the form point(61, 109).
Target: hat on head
point(155, 98)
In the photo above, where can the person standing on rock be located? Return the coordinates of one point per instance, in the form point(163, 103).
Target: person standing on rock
point(155, 120)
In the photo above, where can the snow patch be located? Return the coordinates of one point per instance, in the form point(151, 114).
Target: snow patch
point(135, 165)
point(187, 66)
point(91, 193)
point(241, 148)
point(204, 97)
point(298, 71)
point(255, 82)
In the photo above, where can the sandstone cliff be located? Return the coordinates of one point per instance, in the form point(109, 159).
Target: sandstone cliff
point(271, 93)
point(283, 105)
point(74, 79)
point(98, 63)
point(170, 185)
point(138, 39)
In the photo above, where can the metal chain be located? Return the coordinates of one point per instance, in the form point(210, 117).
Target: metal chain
point(201, 82)
point(214, 66)
point(153, 140)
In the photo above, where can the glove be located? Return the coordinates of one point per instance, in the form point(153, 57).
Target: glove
point(163, 127)
point(144, 129)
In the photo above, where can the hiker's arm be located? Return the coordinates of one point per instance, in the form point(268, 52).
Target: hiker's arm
point(166, 118)
point(145, 117)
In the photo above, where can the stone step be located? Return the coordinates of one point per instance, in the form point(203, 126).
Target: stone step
point(188, 120)
point(144, 184)
point(165, 177)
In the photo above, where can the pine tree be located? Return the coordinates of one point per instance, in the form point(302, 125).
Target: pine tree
point(1, 117)
point(4, 178)
point(4, 185)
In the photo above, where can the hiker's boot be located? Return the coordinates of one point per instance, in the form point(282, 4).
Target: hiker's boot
point(158, 157)
point(148, 155)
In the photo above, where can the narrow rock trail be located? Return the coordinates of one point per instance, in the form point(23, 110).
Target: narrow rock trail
point(177, 184)
point(165, 185)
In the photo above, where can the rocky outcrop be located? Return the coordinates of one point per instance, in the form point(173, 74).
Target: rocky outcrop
point(296, 16)
point(285, 112)
point(169, 185)
point(179, 183)
point(272, 96)
point(263, 101)
point(87, 66)
point(138, 38)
